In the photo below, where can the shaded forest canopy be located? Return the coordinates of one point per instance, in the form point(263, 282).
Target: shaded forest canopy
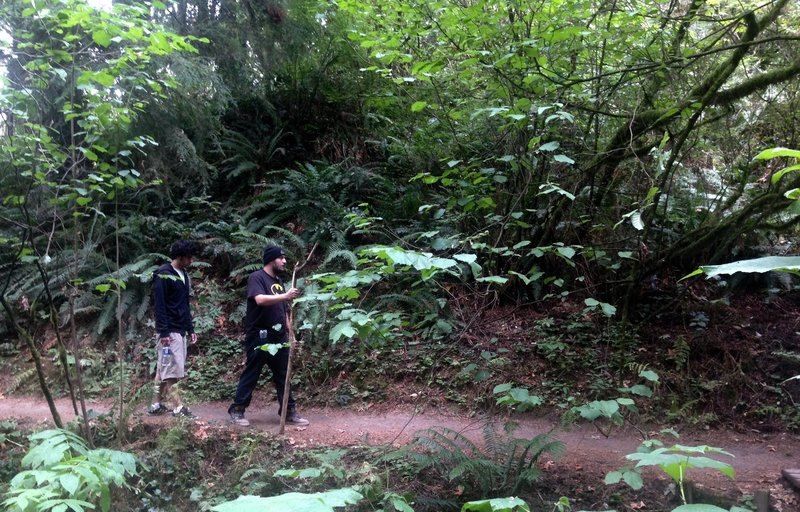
point(486, 182)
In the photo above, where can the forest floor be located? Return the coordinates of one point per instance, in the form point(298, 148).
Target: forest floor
point(739, 354)
point(758, 458)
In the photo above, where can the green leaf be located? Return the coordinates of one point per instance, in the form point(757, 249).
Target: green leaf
point(675, 461)
point(418, 260)
point(89, 154)
point(636, 220)
point(698, 507)
point(649, 375)
point(593, 410)
point(758, 265)
point(418, 106)
point(102, 38)
point(777, 152)
point(525, 279)
point(342, 329)
point(692, 274)
point(299, 473)
point(400, 505)
point(778, 175)
point(608, 309)
point(65, 504)
point(564, 159)
point(271, 348)
point(492, 280)
point(794, 195)
point(293, 502)
point(496, 505)
point(549, 188)
point(566, 252)
point(466, 258)
point(502, 388)
point(633, 479)
point(104, 79)
point(641, 390)
point(550, 146)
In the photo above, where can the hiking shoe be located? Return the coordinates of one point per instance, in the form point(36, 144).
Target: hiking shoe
point(185, 412)
point(238, 419)
point(156, 410)
point(296, 419)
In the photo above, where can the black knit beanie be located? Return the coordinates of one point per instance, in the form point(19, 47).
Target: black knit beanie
point(272, 252)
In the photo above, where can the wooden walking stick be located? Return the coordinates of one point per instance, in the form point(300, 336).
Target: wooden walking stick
point(292, 342)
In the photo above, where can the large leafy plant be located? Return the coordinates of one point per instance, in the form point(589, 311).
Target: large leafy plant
point(675, 461)
point(376, 318)
point(326, 501)
point(62, 474)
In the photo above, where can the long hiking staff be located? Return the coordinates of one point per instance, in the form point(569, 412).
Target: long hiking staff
point(292, 342)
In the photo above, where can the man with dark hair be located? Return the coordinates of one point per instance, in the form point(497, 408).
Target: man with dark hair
point(171, 288)
point(265, 324)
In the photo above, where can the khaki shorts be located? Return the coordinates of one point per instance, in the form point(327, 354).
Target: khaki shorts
point(177, 343)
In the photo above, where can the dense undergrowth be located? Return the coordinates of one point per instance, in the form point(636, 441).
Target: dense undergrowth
point(504, 197)
point(721, 364)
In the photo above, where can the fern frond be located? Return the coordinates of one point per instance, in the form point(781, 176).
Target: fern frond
point(504, 465)
point(263, 239)
point(143, 307)
point(345, 255)
point(107, 314)
point(245, 270)
point(429, 503)
point(448, 443)
point(134, 401)
point(252, 472)
point(19, 379)
point(494, 445)
point(531, 475)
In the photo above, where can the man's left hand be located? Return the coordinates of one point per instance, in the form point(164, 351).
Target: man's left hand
point(193, 336)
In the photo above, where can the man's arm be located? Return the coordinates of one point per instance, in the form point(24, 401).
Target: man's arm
point(162, 324)
point(263, 299)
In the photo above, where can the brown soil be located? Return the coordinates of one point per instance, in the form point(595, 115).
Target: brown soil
point(758, 457)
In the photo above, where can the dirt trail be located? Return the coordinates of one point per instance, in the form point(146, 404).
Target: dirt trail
point(758, 457)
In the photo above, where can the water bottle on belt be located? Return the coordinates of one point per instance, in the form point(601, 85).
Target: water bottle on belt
point(166, 358)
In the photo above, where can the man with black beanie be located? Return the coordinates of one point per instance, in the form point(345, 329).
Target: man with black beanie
point(265, 325)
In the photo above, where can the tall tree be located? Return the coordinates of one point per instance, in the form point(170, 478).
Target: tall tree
point(77, 79)
point(587, 124)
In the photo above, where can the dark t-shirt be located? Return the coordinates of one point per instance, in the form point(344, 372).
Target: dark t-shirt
point(272, 318)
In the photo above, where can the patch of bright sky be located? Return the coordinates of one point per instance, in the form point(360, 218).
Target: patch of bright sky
point(100, 4)
point(5, 38)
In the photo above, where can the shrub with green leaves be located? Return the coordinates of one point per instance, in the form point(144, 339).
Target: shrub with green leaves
point(675, 461)
point(64, 474)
